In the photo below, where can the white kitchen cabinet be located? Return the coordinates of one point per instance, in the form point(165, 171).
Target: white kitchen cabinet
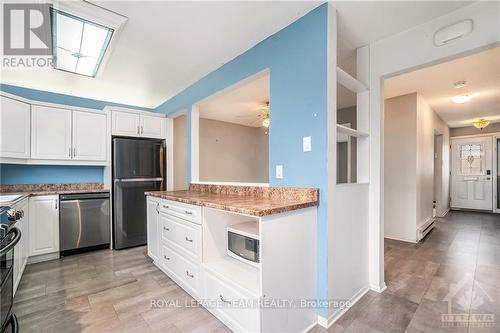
point(136, 124)
point(15, 128)
point(50, 133)
point(153, 214)
point(89, 136)
point(22, 247)
point(43, 225)
point(153, 127)
point(126, 123)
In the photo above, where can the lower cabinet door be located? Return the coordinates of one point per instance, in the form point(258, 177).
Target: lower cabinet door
point(44, 225)
point(235, 309)
point(152, 232)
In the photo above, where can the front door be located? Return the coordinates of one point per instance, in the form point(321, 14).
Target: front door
point(471, 173)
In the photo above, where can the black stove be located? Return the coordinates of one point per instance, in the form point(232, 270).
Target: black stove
point(9, 237)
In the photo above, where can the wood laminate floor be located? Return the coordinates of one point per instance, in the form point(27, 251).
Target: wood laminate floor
point(113, 291)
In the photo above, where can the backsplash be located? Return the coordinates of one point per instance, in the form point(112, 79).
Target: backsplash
point(12, 174)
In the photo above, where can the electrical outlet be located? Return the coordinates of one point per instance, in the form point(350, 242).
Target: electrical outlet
point(306, 143)
point(279, 172)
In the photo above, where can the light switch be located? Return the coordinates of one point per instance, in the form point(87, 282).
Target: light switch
point(306, 143)
point(279, 172)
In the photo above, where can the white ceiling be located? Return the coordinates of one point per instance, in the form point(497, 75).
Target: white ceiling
point(435, 84)
point(364, 22)
point(240, 104)
point(166, 46)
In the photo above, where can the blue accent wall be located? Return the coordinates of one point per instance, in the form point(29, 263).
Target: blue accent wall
point(297, 60)
point(11, 174)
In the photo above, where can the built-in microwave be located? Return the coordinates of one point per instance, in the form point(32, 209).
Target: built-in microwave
point(243, 242)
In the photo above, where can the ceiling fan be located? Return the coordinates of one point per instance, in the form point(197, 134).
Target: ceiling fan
point(263, 118)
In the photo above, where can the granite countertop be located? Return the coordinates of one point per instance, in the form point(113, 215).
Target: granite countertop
point(254, 201)
point(48, 189)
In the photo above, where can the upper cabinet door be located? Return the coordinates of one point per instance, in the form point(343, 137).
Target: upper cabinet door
point(89, 136)
point(153, 127)
point(14, 128)
point(125, 123)
point(50, 133)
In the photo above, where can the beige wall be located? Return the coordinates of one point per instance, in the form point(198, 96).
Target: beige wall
point(180, 154)
point(410, 127)
point(233, 153)
point(471, 130)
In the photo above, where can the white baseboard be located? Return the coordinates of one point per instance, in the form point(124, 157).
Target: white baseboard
point(327, 322)
point(43, 257)
point(401, 239)
point(378, 289)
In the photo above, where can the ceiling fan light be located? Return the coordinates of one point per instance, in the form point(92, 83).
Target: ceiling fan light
point(266, 122)
point(481, 123)
point(461, 99)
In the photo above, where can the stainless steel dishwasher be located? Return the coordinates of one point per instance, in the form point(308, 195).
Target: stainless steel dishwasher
point(83, 222)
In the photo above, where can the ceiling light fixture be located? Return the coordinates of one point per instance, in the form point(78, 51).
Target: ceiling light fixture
point(266, 122)
point(460, 84)
point(461, 99)
point(481, 123)
point(78, 44)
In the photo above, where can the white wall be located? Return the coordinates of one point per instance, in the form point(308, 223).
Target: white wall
point(400, 53)
point(233, 153)
point(400, 172)
point(409, 128)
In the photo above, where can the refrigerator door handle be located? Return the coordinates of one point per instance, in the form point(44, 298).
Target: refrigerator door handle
point(131, 180)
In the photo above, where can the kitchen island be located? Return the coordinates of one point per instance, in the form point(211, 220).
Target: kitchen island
point(188, 240)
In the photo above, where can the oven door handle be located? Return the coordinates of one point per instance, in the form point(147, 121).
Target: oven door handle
point(13, 242)
point(14, 324)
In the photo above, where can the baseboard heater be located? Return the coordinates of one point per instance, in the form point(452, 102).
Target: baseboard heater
point(425, 229)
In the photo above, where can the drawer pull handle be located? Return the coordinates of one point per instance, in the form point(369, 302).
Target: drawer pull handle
point(188, 212)
point(166, 229)
point(224, 300)
point(158, 208)
point(190, 275)
point(166, 258)
point(189, 240)
point(165, 206)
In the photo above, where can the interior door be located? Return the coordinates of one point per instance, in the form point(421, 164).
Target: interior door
point(472, 173)
point(89, 136)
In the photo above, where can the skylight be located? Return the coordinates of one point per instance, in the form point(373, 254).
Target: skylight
point(78, 45)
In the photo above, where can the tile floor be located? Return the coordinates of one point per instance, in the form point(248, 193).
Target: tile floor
point(111, 291)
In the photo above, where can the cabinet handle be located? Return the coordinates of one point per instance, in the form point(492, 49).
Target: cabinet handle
point(224, 300)
point(165, 206)
point(166, 258)
point(189, 240)
point(190, 275)
point(74, 152)
point(69, 152)
point(142, 129)
point(166, 229)
point(55, 205)
point(188, 212)
point(158, 208)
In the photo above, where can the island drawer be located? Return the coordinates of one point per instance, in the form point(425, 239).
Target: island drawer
point(185, 272)
point(184, 235)
point(184, 211)
point(242, 313)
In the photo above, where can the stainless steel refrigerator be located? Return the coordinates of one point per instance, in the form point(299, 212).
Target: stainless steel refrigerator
point(138, 167)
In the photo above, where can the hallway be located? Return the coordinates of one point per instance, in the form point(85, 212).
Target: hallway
point(459, 258)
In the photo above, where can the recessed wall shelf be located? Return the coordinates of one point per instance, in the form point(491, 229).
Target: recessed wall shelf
point(351, 132)
point(350, 82)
